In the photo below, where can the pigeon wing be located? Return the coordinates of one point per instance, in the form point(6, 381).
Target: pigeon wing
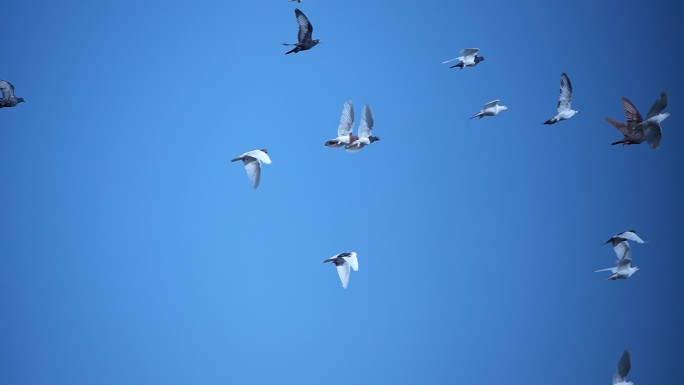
point(347, 120)
point(620, 126)
point(343, 271)
point(631, 235)
point(658, 106)
point(633, 115)
point(491, 104)
point(654, 135)
point(352, 260)
point(253, 168)
point(7, 89)
point(623, 367)
point(305, 27)
point(470, 51)
point(622, 250)
point(366, 126)
point(565, 98)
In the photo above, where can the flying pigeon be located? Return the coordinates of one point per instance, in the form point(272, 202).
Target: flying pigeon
point(623, 367)
point(365, 130)
point(8, 99)
point(304, 37)
point(565, 110)
point(252, 160)
point(623, 269)
point(344, 262)
point(629, 235)
point(633, 133)
point(651, 125)
point(490, 109)
point(469, 58)
point(344, 130)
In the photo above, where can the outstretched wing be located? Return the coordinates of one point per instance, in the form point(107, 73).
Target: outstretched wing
point(7, 89)
point(305, 27)
point(253, 168)
point(658, 106)
point(491, 104)
point(623, 367)
point(620, 126)
point(565, 98)
point(352, 260)
point(470, 51)
point(631, 112)
point(347, 120)
point(654, 135)
point(631, 235)
point(343, 271)
point(366, 126)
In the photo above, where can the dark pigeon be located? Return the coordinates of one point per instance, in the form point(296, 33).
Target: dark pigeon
point(8, 99)
point(633, 133)
point(305, 31)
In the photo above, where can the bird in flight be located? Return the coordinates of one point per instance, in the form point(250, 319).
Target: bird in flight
point(629, 235)
point(365, 130)
point(345, 262)
point(565, 110)
point(490, 109)
point(252, 161)
point(623, 269)
point(470, 58)
point(304, 40)
point(8, 98)
point(344, 130)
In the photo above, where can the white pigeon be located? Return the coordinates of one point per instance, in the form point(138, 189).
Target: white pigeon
point(344, 130)
point(345, 262)
point(365, 131)
point(623, 269)
point(565, 110)
point(490, 109)
point(252, 161)
point(651, 126)
point(629, 235)
point(623, 367)
point(469, 58)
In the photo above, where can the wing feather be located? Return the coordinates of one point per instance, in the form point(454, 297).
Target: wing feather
point(565, 98)
point(623, 367)
point(343, 271)
point(658, 106)
point(253, 168)
point(631, 113)
point(366, 126)
point(305, 27)
point(346, 120)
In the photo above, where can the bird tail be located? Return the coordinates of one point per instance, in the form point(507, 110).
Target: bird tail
point(476, 116)
point(459, 65)
point(623, 141)
point(236, 159)
point(550, 121)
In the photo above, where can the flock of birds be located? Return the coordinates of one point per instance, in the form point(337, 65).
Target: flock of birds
point(635, 130)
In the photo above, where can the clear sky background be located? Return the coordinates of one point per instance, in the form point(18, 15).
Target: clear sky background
point(134, 252)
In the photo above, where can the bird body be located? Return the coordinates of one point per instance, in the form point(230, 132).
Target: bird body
point(565, 110)
point(8, 98)
point(252, 161)
point(490, 109)
point(345, 262)
point(365, 130)
point(304, 40)
point(470, 58)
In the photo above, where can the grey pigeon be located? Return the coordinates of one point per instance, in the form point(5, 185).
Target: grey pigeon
point(565, 110)
point(622, 370)
point(623, 269)
point(8, 99)
point(252, 161)
point(304, 37)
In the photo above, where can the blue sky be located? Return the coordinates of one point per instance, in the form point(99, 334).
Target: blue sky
point(134, 252)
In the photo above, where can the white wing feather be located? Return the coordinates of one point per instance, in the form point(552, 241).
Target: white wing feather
point(343, 271)
point(565, 98)
point(346, 120)
point(353, 261)
point(253, 168)
point(366, 126)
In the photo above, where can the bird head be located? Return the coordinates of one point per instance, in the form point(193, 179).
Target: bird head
point(373, 138)
point(317, 41)
point(20, 100)
point(503, 108)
